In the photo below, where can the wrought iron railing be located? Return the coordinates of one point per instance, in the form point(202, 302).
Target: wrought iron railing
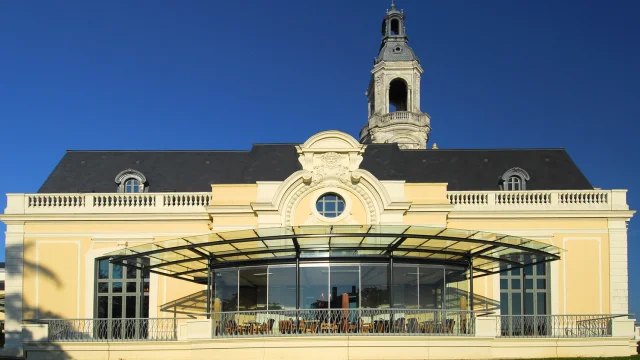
point(90, 330)
point(555, 326)
point(343, 322)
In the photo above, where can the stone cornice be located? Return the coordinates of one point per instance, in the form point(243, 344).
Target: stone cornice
point(12, 218)
point(515, 214)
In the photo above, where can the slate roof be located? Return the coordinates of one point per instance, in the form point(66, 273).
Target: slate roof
point(185, 171)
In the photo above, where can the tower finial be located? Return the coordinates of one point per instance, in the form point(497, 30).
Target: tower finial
point(393, 4)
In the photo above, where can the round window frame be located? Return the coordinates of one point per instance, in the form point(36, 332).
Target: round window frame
point(342, 194)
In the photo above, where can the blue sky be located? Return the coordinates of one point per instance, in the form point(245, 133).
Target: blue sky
point(222, 75)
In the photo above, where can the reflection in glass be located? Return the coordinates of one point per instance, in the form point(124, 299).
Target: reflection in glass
point(253, 288)
point(226, 288)
point(117, 272)
point(103, 307)
point(103, 287)
point(431, 287)
point(345, 286)
point(282, 288)
point(116, 287)
point(405, 286)
point(375, 288)
point(103, 269)
point(314, 287)
point(457, 290)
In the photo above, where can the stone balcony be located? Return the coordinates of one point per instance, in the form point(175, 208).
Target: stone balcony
point(404, 117)
point(195, 202)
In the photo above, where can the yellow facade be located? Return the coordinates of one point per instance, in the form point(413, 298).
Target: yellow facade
point(60, 244)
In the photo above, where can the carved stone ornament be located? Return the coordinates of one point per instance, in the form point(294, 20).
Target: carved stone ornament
point(331, 165)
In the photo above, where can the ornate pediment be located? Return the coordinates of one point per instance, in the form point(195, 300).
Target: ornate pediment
point(331, 156)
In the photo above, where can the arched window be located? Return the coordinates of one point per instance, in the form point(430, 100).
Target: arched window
point(395, 27)
point(514, 183)
point(514, 179)
point(131, 181)
point(133, 186)
point(397, 95)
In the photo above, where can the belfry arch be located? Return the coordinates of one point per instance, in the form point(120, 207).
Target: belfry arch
point(398, 95)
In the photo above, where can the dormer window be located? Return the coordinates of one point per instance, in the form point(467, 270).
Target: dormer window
point(131, 181)
point(133, 186)
point(514, 183)
point(514, 179)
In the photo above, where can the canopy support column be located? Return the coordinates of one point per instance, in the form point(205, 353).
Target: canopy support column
point(297, 281)
point(209, 292)
point(390, 282)
point(471, 284)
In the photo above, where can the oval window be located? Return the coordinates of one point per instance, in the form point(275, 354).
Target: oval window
point(330, 205)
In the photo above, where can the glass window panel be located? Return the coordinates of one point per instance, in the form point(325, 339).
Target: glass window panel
point(516, 304)
point(504, 303)
point(116, 307)
point(375, 286)
point(253, 288)
point(314, 287)
point(541, 284)
point(405, 287)
point(116, 287)
point(528, 270)
point(528, 283)
point(515, 271)
point(431, 288)
point(103, 269)
point(131, 307)
point(319, 207)
point(226, 289)
point(504, 284)
point(345, 286)
point(145, 307)
point(282, 288)
point(103, 287)
point(131, 272)
point(541, 269)
point(541, 303)
point(103, 307)
point(131, 287)
point(145, 287)
point(528, 304)
point(116, 272)
point(457, 289)
point(515, 284)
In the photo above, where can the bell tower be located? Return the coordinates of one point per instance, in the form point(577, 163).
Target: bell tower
point(394, 90)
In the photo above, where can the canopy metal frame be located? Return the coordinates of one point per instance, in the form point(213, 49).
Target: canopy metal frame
point(490, 256)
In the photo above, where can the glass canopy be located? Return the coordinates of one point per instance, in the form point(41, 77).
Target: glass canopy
point(191, 258)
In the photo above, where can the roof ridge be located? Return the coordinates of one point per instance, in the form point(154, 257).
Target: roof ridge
point(240, 151)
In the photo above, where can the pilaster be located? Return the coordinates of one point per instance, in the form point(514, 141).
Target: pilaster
point(618, 265)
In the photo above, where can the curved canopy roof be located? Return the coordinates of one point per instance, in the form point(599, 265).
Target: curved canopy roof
point(190, 257)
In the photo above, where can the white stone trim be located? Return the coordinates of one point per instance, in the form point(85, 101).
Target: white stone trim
point(37, 272)
point(618, 267)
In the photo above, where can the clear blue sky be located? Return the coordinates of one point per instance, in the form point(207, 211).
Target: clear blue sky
point(225, 74)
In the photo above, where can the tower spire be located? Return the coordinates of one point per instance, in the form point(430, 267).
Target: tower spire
point(394, 90)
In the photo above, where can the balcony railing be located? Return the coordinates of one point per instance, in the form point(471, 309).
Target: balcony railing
point(343, 322)
point(88, 203)
point(110, 202)
point(555, 326)
point(406, 117)
point(538, 200)
point(96, 330)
